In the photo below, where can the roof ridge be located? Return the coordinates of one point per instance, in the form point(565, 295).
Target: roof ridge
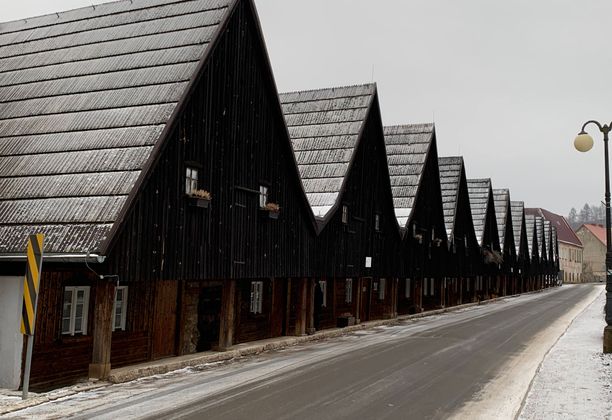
point(370, 85)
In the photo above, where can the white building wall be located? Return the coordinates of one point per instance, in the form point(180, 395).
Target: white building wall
point(11, 340)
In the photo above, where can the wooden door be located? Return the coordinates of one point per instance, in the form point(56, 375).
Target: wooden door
point(364, 309)
point(209, 317)
point(163, 337)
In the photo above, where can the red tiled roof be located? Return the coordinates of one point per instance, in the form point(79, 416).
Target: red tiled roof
point(599, 231)
point(564, 231)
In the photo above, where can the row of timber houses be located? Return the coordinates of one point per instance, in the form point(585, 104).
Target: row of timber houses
point(187, 206)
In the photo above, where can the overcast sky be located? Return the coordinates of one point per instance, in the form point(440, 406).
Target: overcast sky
point(508, 83)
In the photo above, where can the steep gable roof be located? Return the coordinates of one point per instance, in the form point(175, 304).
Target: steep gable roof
point(555, 257)
point(85, 100)
point(539, 226)
point(530, 224)
point(325, 127)
point(479, 191)
point(450, 180)
point(407, 150)
point(501, 198)
point(547, 238)
point(518, 214)
point(564, 231)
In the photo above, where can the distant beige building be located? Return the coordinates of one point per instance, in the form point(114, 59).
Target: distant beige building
point(593, 238)
point(570, 247)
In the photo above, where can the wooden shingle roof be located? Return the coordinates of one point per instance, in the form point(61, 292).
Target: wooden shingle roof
point(479, 190)
point(407, 149)
point(324, 126)
point(539, 226)
point(450, 178)
point(547, 237)
point(530, 224)
point(501, 198)
point(85, 97)
point(517, 208)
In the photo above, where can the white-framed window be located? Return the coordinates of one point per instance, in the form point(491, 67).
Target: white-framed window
point(381, 289)
point(263, 196)
point(256, 297)
point(323, 286)
point(408, 288)
point(348, 291)
point(120, 308)
point(377, 222)
point(191, 180)
point(345, 215)
point(74, 313)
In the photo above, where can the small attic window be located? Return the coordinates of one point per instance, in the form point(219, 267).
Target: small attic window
point(191, 180)
point(345, 214)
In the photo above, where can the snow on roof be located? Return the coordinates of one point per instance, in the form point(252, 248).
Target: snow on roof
point(407, 149)
point(324, 126)
point(84, 97)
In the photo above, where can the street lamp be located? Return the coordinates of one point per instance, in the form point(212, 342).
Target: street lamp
point(584, 143)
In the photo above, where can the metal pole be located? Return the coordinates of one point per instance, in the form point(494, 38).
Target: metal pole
point(28, 364)
point(608, 234)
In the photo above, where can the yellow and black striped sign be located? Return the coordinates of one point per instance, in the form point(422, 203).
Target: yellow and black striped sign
point(31, 283)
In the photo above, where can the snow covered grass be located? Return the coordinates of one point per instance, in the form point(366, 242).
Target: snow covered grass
point(575, 379)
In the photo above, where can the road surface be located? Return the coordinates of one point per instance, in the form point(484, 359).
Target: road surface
point(435, 367)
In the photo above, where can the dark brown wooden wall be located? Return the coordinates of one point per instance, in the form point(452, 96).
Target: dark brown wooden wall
point(233, 130)
point(423, 259)
point(342, 249)
point(464, 262)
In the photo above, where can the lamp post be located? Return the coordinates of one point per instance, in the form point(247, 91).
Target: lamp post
point(584, 143)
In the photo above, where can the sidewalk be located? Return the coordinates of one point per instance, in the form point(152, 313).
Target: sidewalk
point(575, 379)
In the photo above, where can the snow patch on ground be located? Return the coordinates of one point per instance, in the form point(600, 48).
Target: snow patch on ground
point(575, 379)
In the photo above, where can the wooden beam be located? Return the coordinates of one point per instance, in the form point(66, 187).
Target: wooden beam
point(301, 307)
point(228, 315)
point(100, 365)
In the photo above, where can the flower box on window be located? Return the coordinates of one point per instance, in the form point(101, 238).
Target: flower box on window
point(200, 198)
point(270, 210)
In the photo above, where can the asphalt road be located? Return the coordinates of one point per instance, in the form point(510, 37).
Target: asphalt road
point(429, 368)
point(425, 373)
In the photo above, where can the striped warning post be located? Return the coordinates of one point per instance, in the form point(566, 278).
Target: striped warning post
point(31, 283)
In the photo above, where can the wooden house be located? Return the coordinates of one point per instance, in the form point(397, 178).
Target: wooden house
point(339, 147)
point(417, 199)
point(485, 226)
point(521, 263)
point(542, 249)
point(464, 251)
point(503, 214)
point(534, 253)
point(146, 141)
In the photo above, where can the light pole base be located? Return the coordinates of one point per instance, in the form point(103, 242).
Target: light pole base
point(607, 339)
